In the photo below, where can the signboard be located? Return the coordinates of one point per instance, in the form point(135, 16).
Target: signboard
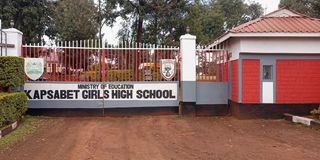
point(91, 91)
point(168, 68)
point(34, 67)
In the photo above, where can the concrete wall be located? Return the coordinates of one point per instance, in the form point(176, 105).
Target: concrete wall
point(234, 48)
point(102, 103)
point(207, 93)
point(280, 45)
point(273, 45)
point(212, 93)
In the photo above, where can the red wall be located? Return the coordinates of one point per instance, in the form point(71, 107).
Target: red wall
point(234, 80)
point(298, 81)
point(225, 72)
point(251, 81)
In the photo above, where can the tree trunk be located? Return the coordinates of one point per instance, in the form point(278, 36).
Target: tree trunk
point(139, 30)
point(155, 32)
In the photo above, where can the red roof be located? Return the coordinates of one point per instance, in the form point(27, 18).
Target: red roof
point(290, 24)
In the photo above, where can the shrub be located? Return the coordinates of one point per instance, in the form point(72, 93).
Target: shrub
point(12, 106)
point(11, 71)
point(118, 75)
point(96, 67)
point(111, 75)
point(316, 113)
point(156, 76)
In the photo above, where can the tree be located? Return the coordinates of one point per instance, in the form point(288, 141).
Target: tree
point(106, 14)
point(253, 11)
point(29, 16)
point(75, 20)
point(205, 20)
point(164, 21)
point(237, 12)
point(307, 7)
point(150, 20)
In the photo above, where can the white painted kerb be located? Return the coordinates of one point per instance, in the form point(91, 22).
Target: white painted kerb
point(302, 120)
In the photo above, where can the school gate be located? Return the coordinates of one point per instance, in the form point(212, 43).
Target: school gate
point(92, 74)
point(272, 67)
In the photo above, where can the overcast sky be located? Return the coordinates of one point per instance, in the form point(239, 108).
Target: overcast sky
point(270, 5)
point(111, 33)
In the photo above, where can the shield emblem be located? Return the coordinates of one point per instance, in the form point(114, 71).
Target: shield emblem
point(34, 67)
point(168, 68)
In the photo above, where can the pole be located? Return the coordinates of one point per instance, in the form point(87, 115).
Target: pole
point(1, 35)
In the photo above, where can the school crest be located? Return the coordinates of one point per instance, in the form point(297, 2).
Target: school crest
point(34, 67)
point(168, 68)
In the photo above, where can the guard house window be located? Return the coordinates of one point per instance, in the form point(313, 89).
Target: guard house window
point(267, 72)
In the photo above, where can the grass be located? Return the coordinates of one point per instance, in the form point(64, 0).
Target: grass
point(26, 128)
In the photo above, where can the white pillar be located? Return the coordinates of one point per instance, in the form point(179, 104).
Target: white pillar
point(188, 68)
point(14, 37)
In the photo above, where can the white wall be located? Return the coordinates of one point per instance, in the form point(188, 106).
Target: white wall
point(280, 45)
point(234, 48)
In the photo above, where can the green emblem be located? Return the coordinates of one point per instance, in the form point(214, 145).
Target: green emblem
point(34, 67)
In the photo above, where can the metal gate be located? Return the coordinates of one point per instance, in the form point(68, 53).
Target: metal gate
point(96, 68)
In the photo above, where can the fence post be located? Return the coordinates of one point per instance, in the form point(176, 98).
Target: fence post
point(14, 41)
point(188, 74)
point(103, 66)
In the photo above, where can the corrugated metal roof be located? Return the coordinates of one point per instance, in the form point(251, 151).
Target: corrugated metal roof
point(291, 24)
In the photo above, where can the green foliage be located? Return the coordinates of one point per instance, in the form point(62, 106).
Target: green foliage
point(75, 20)
point(307, 7)
point(29, 16)
point(316, 113)
point(205, 21)
point(165, 21)
point(111, 75)
point(237, 12)
point(156, 76)
point(119, 75)
point(153, 21)
point(12, 106)
point(11, 71)
point(97, 67)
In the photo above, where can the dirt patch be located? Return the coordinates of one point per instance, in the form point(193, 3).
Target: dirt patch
point(167, 137)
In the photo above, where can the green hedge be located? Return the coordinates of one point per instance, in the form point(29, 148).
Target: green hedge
point(11, 71)
point(112, 75)
point(121, 75)
point(12, 106)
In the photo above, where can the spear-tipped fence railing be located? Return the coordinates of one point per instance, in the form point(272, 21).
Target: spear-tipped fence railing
point(212, 64)
point(93, 61)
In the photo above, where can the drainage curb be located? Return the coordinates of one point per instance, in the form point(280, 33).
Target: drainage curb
point(303, 120)
point(8, 129)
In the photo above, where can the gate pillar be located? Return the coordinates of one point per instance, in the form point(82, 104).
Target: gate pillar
point(188, 74)
point(14, 41)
